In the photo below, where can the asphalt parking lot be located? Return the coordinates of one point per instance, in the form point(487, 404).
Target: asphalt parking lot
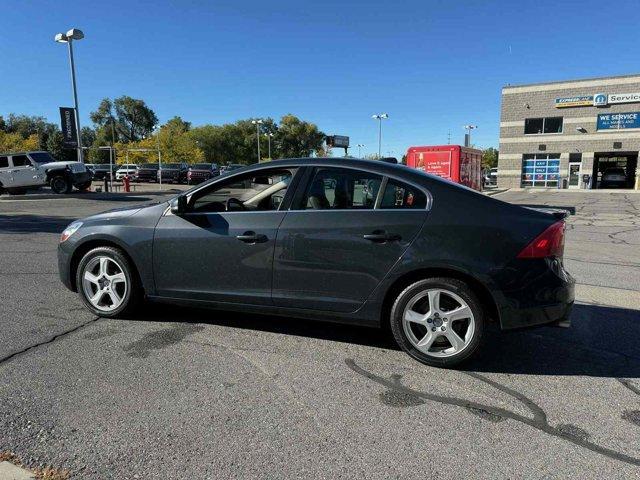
point(186, 393)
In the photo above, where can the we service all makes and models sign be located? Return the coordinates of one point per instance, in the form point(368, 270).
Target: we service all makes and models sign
point(618, 121)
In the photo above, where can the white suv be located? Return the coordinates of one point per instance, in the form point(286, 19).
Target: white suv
point(24, 170)
point(126, 169)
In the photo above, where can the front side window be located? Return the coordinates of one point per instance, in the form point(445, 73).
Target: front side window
point(401, 195)
point(20, 161)
point(340, 189)
point(255, 191)
point(533, 126)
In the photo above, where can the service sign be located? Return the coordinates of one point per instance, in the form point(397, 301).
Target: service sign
point(579, 101)
point(618, 121)
point(624, 98)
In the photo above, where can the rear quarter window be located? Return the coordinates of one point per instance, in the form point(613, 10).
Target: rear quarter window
point(398, 195)
point(4, 162)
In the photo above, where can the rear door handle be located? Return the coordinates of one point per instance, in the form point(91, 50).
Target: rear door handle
point(252, 237)
point(380, 236)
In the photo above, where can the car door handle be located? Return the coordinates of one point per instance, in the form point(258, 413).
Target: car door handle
point(380, 236)
point(252, 237)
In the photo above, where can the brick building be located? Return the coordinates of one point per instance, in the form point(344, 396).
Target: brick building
point(560, 132)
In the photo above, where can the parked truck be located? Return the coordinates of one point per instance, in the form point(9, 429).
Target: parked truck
point(453, 162)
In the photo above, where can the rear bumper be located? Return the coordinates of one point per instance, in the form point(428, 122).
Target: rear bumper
point(544, 296)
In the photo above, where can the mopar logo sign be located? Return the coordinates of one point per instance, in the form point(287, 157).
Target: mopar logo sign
point(599, 100)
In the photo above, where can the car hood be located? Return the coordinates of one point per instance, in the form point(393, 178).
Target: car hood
point(73, 166)
point(116, 213)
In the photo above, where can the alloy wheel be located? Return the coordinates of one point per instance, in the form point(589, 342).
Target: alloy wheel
point(438, 323)
point(104, 283)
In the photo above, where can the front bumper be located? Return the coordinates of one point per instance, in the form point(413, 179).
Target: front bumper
point(64, 265)
point(80, 178)
point(543, 295)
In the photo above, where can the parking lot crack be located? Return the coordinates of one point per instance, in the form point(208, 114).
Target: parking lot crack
point(539, 420)
point(13, 355)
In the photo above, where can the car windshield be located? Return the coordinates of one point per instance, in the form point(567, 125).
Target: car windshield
point(149, 165)
point(171, 165)
point(42, 157)
point(129, 167)
point(201, 166)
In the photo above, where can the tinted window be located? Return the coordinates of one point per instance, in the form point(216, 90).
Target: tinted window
point(255, 191)
point(533, 125)
point(341, 188)
point(42, 157)
point(553, 125)
point(20, 160)
point(4, 162)
point(401, 195)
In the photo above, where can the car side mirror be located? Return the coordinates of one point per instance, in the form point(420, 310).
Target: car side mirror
point(179, 205)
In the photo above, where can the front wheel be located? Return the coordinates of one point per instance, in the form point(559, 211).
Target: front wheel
point(84, 186)
point(107, 283)
point(60, 184)
point(438, 321)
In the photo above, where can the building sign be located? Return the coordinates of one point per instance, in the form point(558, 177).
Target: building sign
point(338, 141)
point(624, 98)
point(435, 163)
point(579, 101)
point(618, 121)
point(68, 126)
point(600, 100)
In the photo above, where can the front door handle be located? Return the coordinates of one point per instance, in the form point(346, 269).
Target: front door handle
point(380, 236)
point(252, 237)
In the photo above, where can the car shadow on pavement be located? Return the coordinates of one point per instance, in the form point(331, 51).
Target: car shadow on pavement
point(601, 342)
point(33, 223)
point(302, 327)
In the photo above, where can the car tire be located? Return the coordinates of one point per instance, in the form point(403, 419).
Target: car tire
point(84, 186)
point(423, 306)
point(60, 184)
point(108, 271)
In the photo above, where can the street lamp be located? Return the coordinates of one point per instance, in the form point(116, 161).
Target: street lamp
point(469, 128)
point(257, 123)
point(360, 147)
point(269, 137)
point(68, 38)
point(379, 117)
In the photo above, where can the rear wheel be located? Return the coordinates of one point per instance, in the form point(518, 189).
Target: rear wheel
point(107, 282)
point(438, 321)
point(84, 186)
point(60, 184)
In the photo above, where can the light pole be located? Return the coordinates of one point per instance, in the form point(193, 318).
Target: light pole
point(257, 123)
point(159, 158)
point(379, 117)
point(468, 128)
point(269, 136)
point(360, 147)
point(68, 38)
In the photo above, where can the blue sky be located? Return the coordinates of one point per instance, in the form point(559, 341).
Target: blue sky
point(434, 66)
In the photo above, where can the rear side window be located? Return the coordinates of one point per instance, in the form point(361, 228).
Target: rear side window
point(400, 195)
point(342, 189)
point(4, 162)
point(20, 160)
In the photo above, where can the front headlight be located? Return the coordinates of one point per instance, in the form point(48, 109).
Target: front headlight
point(70, 230)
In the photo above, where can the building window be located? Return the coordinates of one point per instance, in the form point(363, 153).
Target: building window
point(535, 126)
point(540, 170)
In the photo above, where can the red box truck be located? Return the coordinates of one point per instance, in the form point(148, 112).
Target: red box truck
point(453, 162)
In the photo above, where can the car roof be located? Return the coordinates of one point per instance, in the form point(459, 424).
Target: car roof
point(23, 153)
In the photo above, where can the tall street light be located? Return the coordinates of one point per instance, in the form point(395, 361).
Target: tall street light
point(468, 128)
point(257, 123)
point(68, 38)
point(360, 147)
point(379, 117)
point(269, 136)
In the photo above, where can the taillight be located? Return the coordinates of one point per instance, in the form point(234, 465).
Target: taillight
point(549, 243)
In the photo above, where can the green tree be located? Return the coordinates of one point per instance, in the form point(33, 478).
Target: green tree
point(132, 119)
point(297, 138)
point(489, 157)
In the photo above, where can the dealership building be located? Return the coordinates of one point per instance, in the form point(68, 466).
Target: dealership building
point(570, 133)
